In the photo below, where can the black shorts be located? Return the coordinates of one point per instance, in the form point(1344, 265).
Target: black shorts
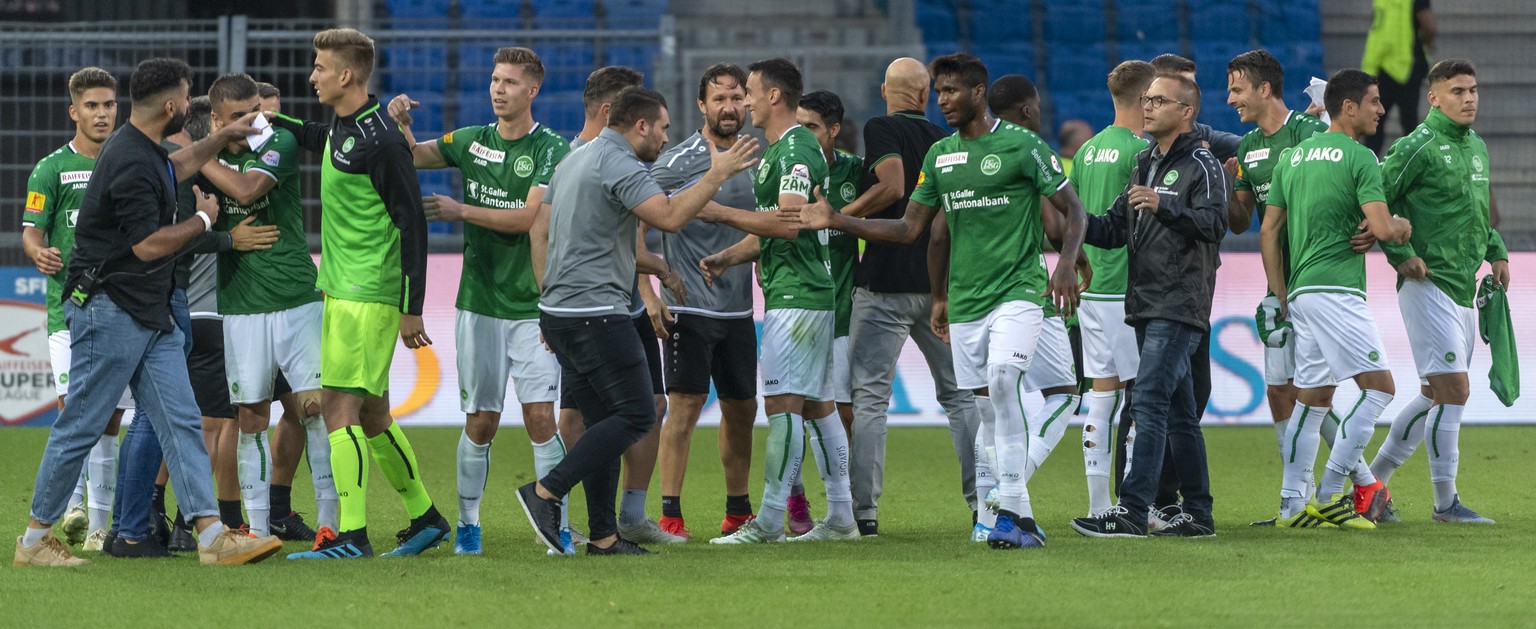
point(652, 347)
point(206, 366)
point(704, 348)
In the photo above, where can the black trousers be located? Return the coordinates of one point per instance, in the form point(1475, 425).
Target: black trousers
point(1406, 97)
point(609, 380)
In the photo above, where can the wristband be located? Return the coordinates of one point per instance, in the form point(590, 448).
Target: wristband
point(207, 222)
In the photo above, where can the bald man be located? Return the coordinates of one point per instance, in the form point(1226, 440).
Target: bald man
point(891, 296)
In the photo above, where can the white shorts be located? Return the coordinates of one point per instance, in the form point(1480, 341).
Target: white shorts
point(1109, 345)
point(1336, 339)
point(492, 350)
point(1441, 333)
point(1052, 366)
point(842, 372)
point(59, 357)
point(256, 346)
point(1007, 335)
point(797, 353)
point(1279, 362)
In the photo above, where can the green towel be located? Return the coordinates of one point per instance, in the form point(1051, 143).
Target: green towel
point(1497, 331)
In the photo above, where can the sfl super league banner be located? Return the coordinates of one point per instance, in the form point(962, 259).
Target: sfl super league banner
point(424, 387)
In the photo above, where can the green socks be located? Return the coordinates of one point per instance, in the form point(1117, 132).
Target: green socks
point(394, 456)
point(349, 466)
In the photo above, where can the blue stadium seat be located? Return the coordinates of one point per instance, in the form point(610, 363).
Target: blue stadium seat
point(1010, 59)
point(566, 64)
point(490, 9)
point(1147, 50)
point(1301, 62)
point(417, 8)
point(1076, 68)
point(639, 57)
point(415, 67)
point(1215, 111)
point(1148, 20)
point(1005, 22)
point(564, 14)
point(937, 21)
point(1211, 63)
point(1075, 24)
point(634, 13)
point(474, 109)
point(1094, 106)
point(1289, 22)
point(560, 111)
point(427, 120)
point(1219, 22)
point(939, 48)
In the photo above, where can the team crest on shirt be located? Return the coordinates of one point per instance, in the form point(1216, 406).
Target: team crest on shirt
point(272, 158)
point(762, 175)
point(1477, 163)
point(1172, 176)
point(346, 147)
point(848, 191)
point(1295, 158)
point(523, 167)
point(1450, 357)
point(1374, 356)
point(992, 163)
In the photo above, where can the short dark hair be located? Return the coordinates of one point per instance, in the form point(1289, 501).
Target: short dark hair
point(825, 104)
point(969, 70)
point(90, 78)
point(533, 66)
point(199, 125)
point(1129, 80)
point(351, 48)
point(604, 85)
point(153, 77)
point(1189, 91)
point(232, 86)
point(1169, 63)
point(1011, 91)
point(1258, 66)
point(782, 74)
point(634, 104)
point(1449, 69)
point(1346, 85)
point(267, 90)
point(715, 72)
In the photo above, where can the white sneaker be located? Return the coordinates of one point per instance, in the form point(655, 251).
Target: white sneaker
point(648, 532)
point(74, 525)
point(824, 532)
point(95, 541)
point(751, 533)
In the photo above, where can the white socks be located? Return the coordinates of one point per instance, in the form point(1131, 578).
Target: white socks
point(33, 536)
point(1407, 432)
point(1006, 384)
point(985, 481)
point(101, 472)
point(1098, 457)
point(1443, 435)
point(1360, 474)
point(1049, 425)
point(317, 449)
point(1281, 428)
point(255, 466)
point(1298, 456)
point(1354, 435)
point(545, 457)
point(829, 442)
point(781, 464)
point(474, 465)
point(207, 536)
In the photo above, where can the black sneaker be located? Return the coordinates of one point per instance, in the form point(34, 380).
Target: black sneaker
point(620, 546)
point(543, 514)
point(149, 548)
point(292, 528)
point(160, 529)
point(182, 539)
point(424, 533)
point(868, 528)
point(1160, 517)
point(1115, 522)
point(1185, 525)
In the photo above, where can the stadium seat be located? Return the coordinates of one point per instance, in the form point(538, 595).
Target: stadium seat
point(634, 13)
point(1093, 106)
point(415, 67)
point(1147, 50)
point(400, 9)
point(1211, 63)
point(564, 14)
point(1011, 59)
point(1076, 68)
point(474, 109)
point(640, 57)
point(937, 21)
point(1075, 24)
point(560, 111)
point(566, 64)
point(938, 48)
point(1002, 23)
point(1142, 21)
point(1289, 22)
point(1219, 22)
point(490, 9)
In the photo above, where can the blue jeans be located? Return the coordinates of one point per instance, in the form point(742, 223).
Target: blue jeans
point(604, 366)
point(1167, 421)
point(140, 455)
point(111, 351)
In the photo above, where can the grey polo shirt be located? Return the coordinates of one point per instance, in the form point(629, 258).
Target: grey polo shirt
point(591, 264)
point(731, 296)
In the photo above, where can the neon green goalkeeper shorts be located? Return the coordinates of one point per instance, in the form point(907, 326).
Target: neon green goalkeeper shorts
point(357, 345)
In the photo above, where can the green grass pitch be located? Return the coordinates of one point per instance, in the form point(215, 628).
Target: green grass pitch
point(920, 572)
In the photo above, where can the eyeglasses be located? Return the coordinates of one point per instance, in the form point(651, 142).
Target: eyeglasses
point(1158, 102)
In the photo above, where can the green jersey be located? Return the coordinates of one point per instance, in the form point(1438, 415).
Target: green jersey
point(497, 279)
point(1257, 155)
point(795, 273)
point(1437, 177)
point(283, 277)
point(54, 192)
point(1103, 169)
point(990, 188)
point(1321, 184)
point(842, 189)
